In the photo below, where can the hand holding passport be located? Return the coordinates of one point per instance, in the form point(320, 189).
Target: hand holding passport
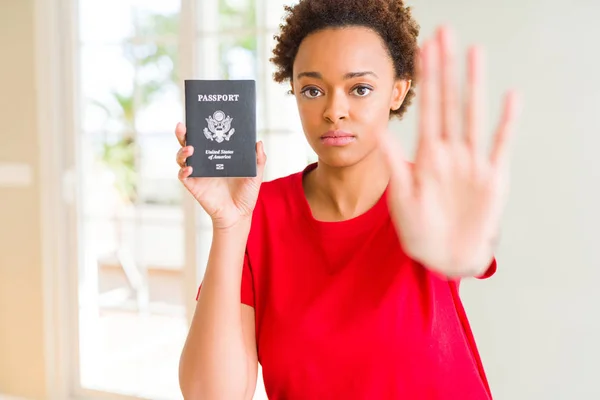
point(221, 163)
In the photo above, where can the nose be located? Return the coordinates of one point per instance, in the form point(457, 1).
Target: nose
point(337, 107)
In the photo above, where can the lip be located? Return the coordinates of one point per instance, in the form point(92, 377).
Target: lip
point(336, 134)
point(337, 138)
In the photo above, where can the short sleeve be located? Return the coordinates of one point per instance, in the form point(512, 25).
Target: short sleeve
point(247, 283)
point(490, 271)
point(247, 289)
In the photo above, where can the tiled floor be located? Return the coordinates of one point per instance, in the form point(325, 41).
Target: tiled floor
point(131, 353)
point(127, 352)
point(135, 354)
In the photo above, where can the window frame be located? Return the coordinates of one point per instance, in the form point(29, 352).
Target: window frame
point(58, 109)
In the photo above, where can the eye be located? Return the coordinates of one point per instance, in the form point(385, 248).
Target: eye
point(362, 90)
point(311, 92)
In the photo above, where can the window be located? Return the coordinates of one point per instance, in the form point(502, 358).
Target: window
point(133, 273)
point(132, 317)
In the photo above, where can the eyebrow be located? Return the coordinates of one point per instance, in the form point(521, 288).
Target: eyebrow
point(348, 75)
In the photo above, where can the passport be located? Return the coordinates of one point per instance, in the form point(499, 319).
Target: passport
point(220, 118)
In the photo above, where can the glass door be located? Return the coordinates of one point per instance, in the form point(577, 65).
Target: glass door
point(132, 315)
point(141, 242)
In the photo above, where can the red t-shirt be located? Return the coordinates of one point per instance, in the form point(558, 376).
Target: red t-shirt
point(343, 313)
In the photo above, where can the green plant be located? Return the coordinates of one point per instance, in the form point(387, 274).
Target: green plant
point(119, 157)
point(150, 47)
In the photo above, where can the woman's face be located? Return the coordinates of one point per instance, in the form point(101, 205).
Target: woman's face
point(345, 86)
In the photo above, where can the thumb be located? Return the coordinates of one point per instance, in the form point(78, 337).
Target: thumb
point(261, 160)
point(401, 176)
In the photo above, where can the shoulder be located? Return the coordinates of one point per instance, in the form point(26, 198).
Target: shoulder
point(276, 188)
point(285, 188)
point(276, 192)
point(279, 200)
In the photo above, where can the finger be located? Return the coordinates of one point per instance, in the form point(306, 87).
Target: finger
point(449, 106)
point(183, 154)
point(429, 104)
point(399, 167)
point(418, 74)
point(475, 96)
point(184, 173)
point(506, 128)
point(180, 131)
point(261, 159)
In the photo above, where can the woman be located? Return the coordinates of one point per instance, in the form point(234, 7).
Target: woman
point(349, 269)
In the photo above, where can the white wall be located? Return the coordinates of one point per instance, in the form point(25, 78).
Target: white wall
point(537, 322)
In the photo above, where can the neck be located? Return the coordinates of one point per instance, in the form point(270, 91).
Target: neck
point(342, 193)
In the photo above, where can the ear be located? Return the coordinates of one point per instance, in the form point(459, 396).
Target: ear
point(291, 91)
point(399, 92)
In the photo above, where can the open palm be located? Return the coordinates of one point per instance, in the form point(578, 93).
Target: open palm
point(225, 200)
point(448, 204)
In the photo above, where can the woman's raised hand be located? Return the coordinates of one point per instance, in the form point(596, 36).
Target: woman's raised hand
point(448, 204)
